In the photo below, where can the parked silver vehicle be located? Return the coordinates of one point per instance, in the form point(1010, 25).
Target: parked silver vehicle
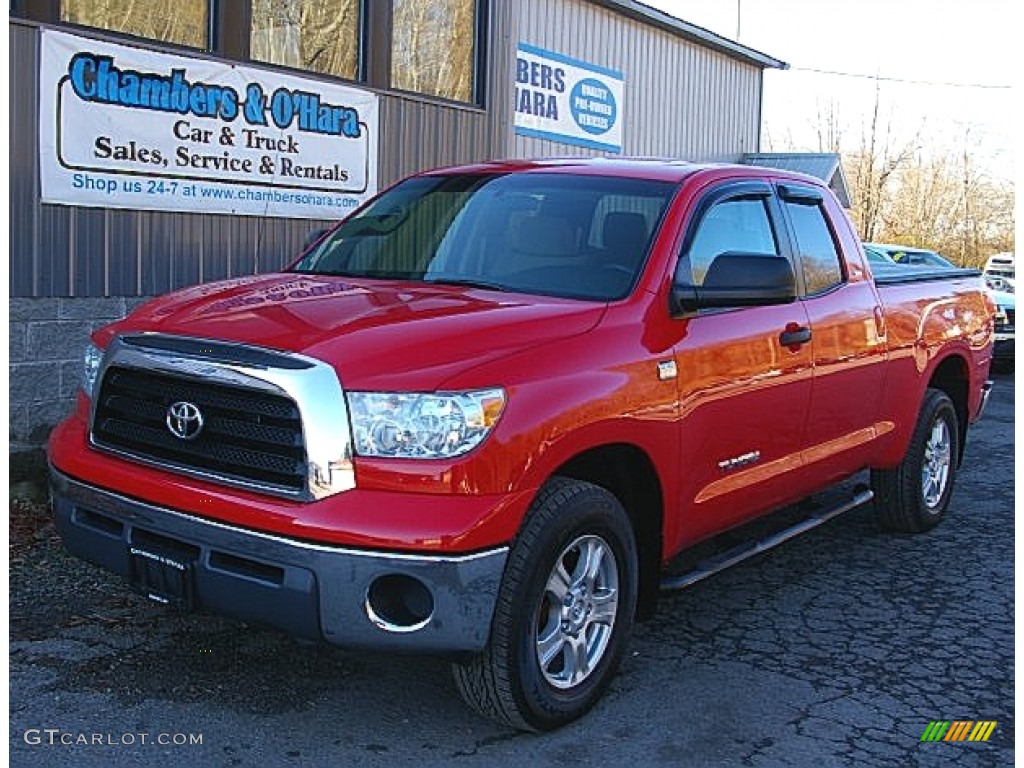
point(1005, 313)
point(909, 256)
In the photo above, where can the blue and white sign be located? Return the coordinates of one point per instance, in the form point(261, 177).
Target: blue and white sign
point(126, 127)
point(567, 100)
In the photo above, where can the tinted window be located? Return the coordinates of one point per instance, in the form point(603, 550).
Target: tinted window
point(185, 22)
point(434, 47)
point(574, 236)
point(919, 258)
point(734, 225)
point(315, 35)
point(816, 249)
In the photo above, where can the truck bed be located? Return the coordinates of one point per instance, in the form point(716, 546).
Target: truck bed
point(898, 274)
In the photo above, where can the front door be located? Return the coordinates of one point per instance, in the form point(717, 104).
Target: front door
point(744, 375)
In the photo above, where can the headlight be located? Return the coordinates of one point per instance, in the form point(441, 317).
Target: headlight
point(90, 367)
point(422, 426)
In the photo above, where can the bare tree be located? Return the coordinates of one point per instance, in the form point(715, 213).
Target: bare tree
point(871, 169)
point(944, 201)
point(921, 193)
point(828, 127)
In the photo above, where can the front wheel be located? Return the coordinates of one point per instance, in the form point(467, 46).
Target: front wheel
point(564, 613)
point(914, 496)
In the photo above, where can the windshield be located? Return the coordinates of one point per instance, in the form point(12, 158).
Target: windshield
point(877, 257)
point(582, 237)
point(918, 258)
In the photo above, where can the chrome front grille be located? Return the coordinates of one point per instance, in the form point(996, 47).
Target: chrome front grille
point(268, 421)
point(247, 435)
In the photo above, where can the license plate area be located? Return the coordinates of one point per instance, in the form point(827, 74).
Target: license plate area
point(162, 578)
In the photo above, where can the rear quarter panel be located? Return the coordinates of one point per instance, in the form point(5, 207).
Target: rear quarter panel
point(927, 323)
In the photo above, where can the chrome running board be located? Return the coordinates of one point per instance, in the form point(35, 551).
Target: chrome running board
point(738, 554)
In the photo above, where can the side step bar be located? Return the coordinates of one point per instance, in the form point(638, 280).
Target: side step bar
point(738, 554)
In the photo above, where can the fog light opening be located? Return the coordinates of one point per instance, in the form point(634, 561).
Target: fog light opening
point(398, 603)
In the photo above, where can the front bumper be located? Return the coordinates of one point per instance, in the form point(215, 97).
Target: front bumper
point(346, 597)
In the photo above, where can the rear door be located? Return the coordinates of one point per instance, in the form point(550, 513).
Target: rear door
point(848, 342)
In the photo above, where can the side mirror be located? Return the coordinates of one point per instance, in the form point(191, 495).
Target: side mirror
point(312, 237)
point(738, 280)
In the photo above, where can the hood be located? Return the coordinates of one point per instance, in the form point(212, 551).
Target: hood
point(378, 335)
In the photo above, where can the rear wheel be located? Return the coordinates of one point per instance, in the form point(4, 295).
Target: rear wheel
point(564, 613)
point(914, 496)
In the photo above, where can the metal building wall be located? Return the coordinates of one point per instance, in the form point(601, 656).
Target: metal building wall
point(683, 100)
point(67, 251)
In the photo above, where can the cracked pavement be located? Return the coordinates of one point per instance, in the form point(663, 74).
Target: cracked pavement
point(835, 649)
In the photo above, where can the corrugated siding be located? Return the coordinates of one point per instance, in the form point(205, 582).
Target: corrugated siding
point(25, 236)
point(61, 250)
point(682, 100)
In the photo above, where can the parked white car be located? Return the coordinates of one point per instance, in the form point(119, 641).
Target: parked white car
point(1000, 267)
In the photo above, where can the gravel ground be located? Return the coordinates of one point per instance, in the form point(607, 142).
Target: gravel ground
point(836, 649)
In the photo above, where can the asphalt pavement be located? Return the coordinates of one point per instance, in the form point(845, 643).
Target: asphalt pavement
point(838, 648)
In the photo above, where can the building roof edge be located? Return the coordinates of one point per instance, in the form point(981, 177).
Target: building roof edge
point(658, 18)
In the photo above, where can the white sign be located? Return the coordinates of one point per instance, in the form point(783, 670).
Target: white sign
point(122, 127)
point(567, 100)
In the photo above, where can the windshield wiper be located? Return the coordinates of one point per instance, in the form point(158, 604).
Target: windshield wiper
point(469, 282)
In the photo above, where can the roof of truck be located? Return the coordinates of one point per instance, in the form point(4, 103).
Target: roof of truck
point(663, 169)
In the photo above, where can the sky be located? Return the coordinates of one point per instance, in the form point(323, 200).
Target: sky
point(916, 49)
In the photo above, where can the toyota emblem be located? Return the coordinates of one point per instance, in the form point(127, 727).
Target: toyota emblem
point(184, 420)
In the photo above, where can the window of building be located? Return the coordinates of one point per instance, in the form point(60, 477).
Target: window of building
point(313, 35)
point(818, 256)
point(185, 22)
point(434, 48)
point(430, 47)
point(740, 225)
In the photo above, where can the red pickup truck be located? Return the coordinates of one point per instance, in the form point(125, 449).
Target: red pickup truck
point(480, 416)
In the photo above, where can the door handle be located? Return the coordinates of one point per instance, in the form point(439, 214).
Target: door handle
point(794, 336)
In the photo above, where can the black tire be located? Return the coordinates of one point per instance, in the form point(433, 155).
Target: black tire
point(905, 499)
point(507, 682)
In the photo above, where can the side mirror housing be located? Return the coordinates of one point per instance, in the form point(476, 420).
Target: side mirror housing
point(738, 280)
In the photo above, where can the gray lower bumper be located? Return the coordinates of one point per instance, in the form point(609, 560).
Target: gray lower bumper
point(314, 591)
